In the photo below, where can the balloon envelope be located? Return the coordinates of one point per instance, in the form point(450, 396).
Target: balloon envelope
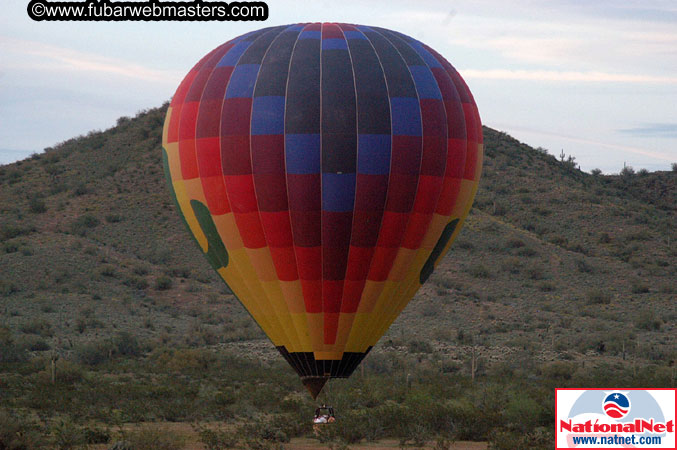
point(324, 170)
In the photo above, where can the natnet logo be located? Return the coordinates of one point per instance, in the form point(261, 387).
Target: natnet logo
point(615, 418)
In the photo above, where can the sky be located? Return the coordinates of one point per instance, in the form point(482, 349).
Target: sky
point(595, 79)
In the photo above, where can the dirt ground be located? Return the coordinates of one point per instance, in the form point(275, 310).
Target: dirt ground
point(383, 444)
point(192, 440)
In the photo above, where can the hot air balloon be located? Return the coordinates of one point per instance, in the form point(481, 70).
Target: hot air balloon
point(324, 170)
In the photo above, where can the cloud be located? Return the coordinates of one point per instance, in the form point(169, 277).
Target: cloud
point(565, 76)
point(46, 57)
point(549, 35)
point(660, 130)
point(635, 150)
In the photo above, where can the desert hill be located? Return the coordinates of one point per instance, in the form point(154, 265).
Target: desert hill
point(557, 272)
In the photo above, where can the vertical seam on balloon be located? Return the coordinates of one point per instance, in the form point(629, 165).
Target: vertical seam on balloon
point(197, 121)
point(404, 38)
point(385, 81)
point(286, 185)
point(357, 149)
point(256, 282)
point(478, 125)
point(402, 289)
point(444, 63)
point(321, 194)
point(251, 164)
point(479, 157)
point(197, 114)
point(376, 30)
point(205, 60)
point(265, 298)
point(301, 361)
point(286, 178)
point(192, 73)
point(447, 68)
point(196, 70)
point(385, 202)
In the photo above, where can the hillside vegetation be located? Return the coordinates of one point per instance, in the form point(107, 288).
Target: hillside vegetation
point(559, 278)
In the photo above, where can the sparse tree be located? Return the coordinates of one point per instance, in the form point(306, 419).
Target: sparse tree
point(627, 171)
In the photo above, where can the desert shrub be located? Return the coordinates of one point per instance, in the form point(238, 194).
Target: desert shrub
point(178, 272)
point(647, 320)
point(464, 244)
point(17, 433)
point(186, 359)
point(14, 177)
point(512, 265)
point(154, 438)
point(583, 266)
point(515, 243)
point(93, 353)
point(9, 231)
point(163, 283)
point(81, 324)
point(136, 282)
point(9, 350)
point(378, 363)
point(604, 238)
point(527, 252)
point(67, 435)
point(35, 344)
point(639, 288)
point(84, 223)
point(641, 235)
point(547, 286)
point(113, 218)
point(523, 412)
point(263, 429)
point(479, 271)
point(10, 247)
point(598, 297)
point(140, 270)
point(216, 439)
point(80, 189)
point(627, 171)
point(577, 247)
point(505, 439)
point(537, 273)
point(201, 334)
point(469, 422)
point(8, 287)
point(68, 372)
point(41, 327)
point(558, 370)
point(499, 209)
point(596, 172)
point(430, 309)
point(417, 346)
point(668, 288)
point(127, 344)
point(541, 212)
point(108, 270)
point(464, 338)
point(98, 352)
point(93, 434)
point(37, 205)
